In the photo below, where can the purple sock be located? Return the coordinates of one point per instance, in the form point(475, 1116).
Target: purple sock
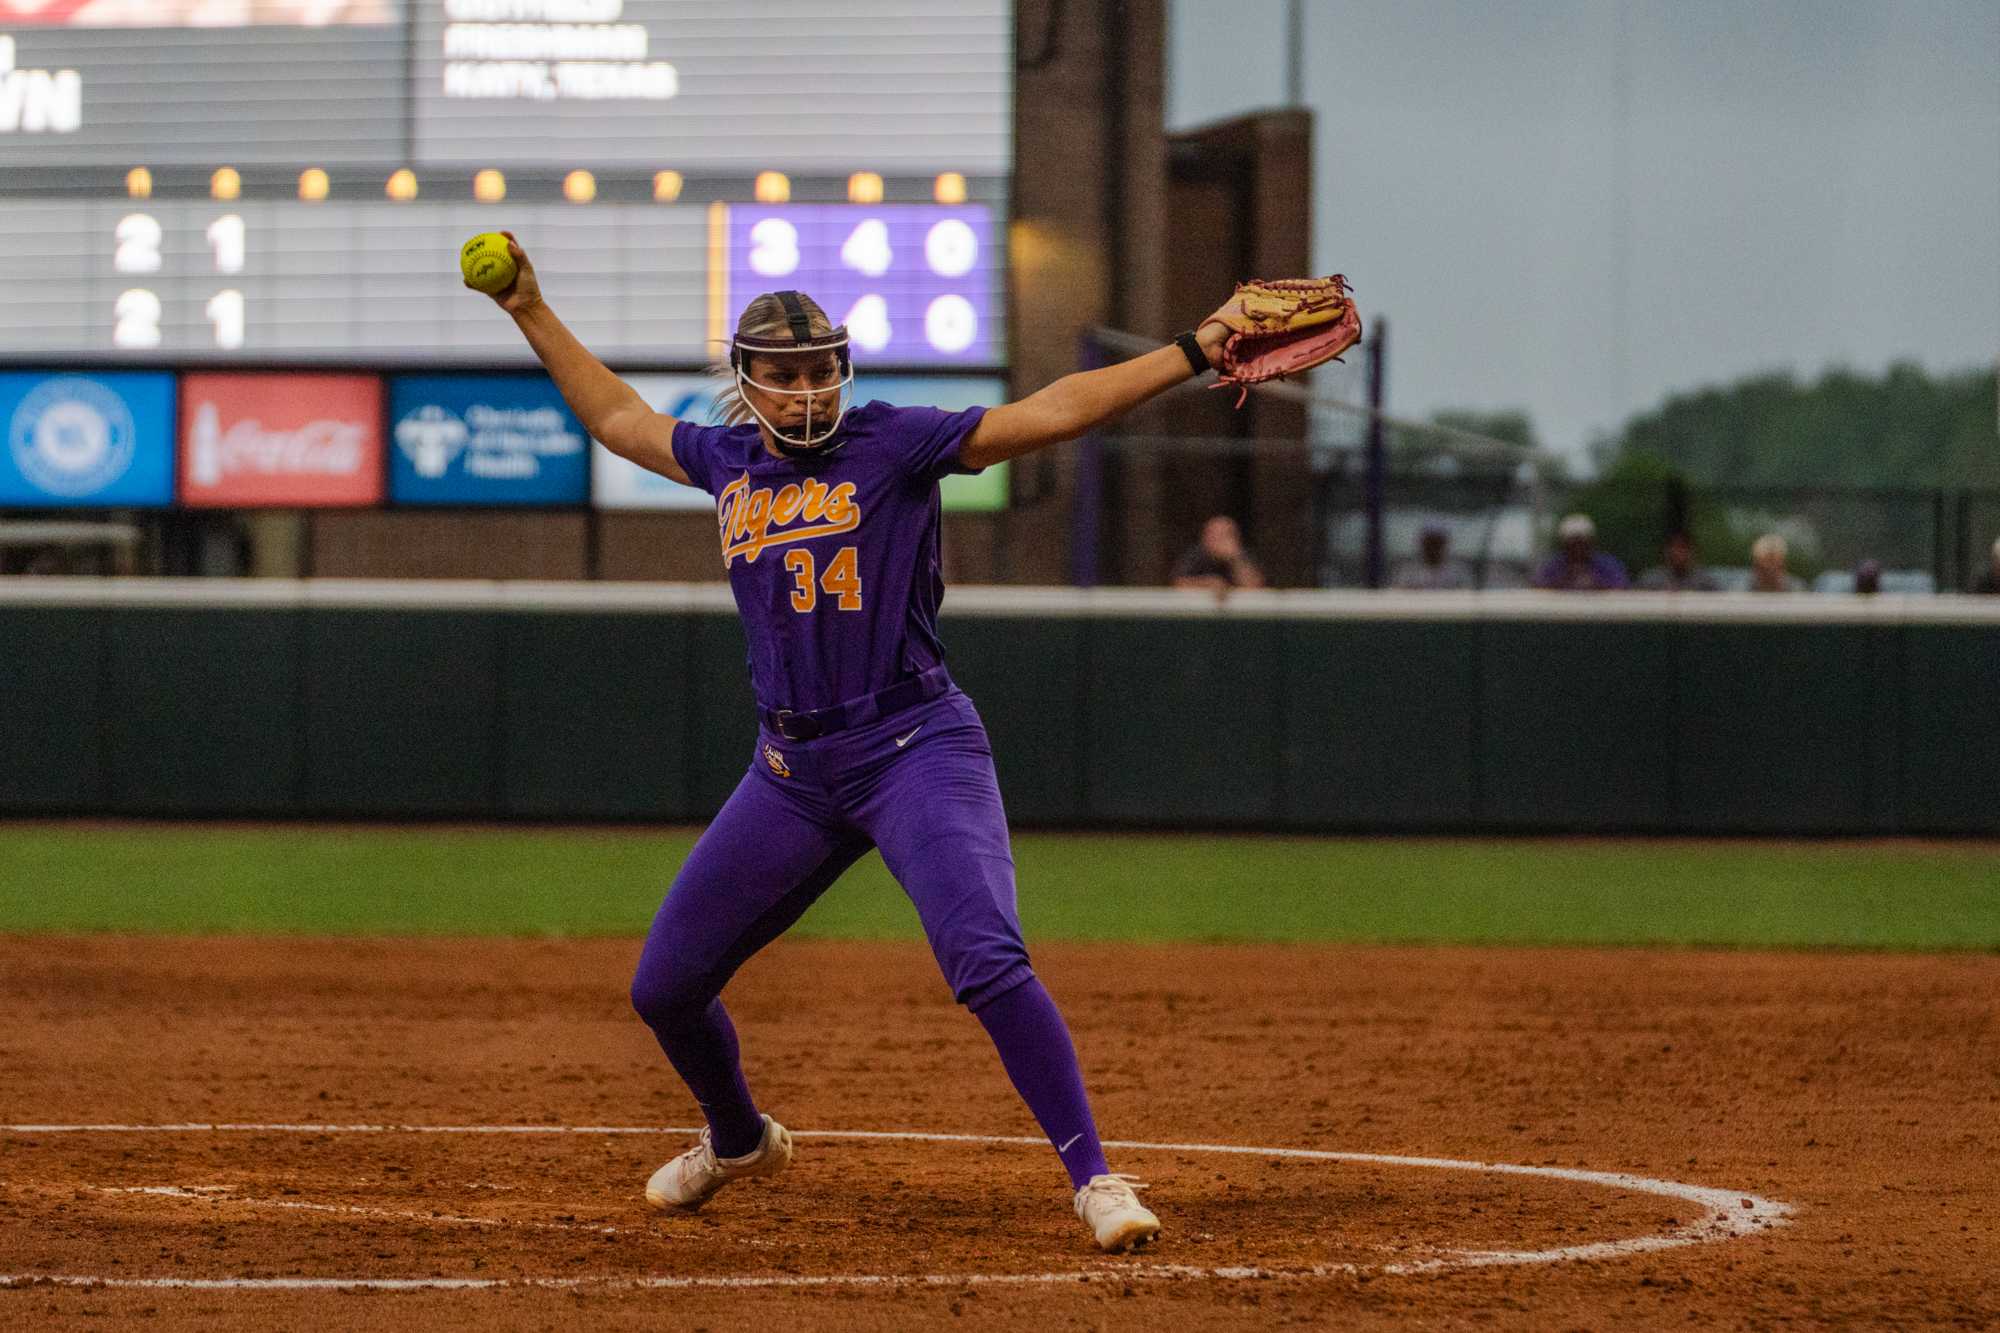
point(704, 1053)
point(1034, 1045)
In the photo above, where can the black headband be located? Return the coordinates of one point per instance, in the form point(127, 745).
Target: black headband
point(795, 311)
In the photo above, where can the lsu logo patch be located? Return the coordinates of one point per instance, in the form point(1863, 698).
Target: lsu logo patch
point(776, 761)
point(752, 521)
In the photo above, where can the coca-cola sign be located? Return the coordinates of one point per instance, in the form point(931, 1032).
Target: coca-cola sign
point(281, 440)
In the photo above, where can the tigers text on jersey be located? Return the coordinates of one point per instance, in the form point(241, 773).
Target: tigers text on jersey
point(834, 562)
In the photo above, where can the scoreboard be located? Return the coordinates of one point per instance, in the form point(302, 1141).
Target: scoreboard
point(290, 180)
point(913, 87)
point(916, 284)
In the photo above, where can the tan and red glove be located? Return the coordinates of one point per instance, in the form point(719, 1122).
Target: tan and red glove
point(1281, 326)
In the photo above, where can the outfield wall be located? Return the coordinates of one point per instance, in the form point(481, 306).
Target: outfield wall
point(1281, 711)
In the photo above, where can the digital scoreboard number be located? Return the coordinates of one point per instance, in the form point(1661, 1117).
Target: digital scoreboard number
point(917, 285)
point(912, 283)
point(137, 253)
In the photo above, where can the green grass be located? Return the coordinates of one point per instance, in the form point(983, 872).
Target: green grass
point(335, 880)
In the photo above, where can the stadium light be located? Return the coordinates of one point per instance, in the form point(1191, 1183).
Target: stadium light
point(666, 186)
point(225, 184)
point(950, 188)
point(139, 183)
point(864, 187)
point(402, 186)
point(314, 185)
point(579, 187)
point(489, 186)
point(773, 187)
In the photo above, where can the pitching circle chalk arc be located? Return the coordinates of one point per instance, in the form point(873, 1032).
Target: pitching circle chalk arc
point(1726, 1215)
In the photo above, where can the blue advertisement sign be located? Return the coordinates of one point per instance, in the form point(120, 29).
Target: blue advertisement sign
point(484, 440)
point(87, 440)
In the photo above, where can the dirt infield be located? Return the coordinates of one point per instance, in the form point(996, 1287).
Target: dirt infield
point(1842, 1107)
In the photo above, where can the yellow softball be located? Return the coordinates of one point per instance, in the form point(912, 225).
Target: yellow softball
point(486, 264)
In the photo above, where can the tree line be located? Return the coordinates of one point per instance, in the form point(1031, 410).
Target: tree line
point(1902, 430)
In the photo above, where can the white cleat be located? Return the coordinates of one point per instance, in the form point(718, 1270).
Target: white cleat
point(1112, 1211)
point(691, 1179)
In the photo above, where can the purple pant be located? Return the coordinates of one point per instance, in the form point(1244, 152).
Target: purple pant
point(918, 784)
point(805, 812)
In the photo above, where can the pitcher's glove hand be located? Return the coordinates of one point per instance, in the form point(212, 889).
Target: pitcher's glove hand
point(1281, 326)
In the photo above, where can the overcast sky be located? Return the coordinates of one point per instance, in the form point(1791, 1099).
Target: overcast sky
point(1579, 206)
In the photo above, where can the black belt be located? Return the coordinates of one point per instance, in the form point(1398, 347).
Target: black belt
point(852, 713)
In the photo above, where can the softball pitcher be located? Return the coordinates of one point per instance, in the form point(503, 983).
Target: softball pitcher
point(829, 516)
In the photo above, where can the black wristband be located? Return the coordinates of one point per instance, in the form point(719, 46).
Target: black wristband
point(1191, 348)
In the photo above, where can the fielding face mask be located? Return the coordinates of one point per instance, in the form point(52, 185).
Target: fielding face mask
point(814, 436)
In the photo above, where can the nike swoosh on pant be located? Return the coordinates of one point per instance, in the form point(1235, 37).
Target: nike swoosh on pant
point(901, 741)
point(1071, 1144)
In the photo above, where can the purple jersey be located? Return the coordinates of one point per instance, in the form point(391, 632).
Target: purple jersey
point(834, 562)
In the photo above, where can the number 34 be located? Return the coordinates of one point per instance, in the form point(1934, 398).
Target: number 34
point(842, 580)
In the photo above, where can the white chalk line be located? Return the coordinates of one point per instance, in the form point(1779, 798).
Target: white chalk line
point(1728, 1214)
point(1105, 1274)
point(225, 1196)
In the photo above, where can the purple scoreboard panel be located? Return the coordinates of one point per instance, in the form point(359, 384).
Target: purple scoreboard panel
point(916, 284)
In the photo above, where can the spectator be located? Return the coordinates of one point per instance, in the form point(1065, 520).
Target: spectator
point(1990, 583)
point(1767, 566)
point(1580, 566)
point(1678, 572)
point(1433, 570)
point(1868, 577)
point(1218, 561)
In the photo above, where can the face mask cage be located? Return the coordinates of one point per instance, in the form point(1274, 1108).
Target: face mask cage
point(815, 435)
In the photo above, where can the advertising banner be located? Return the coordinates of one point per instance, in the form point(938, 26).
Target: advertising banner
point(86, 440)
point(616, 483)
point(953, 393)
point(290, 441)
point(484, 440)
